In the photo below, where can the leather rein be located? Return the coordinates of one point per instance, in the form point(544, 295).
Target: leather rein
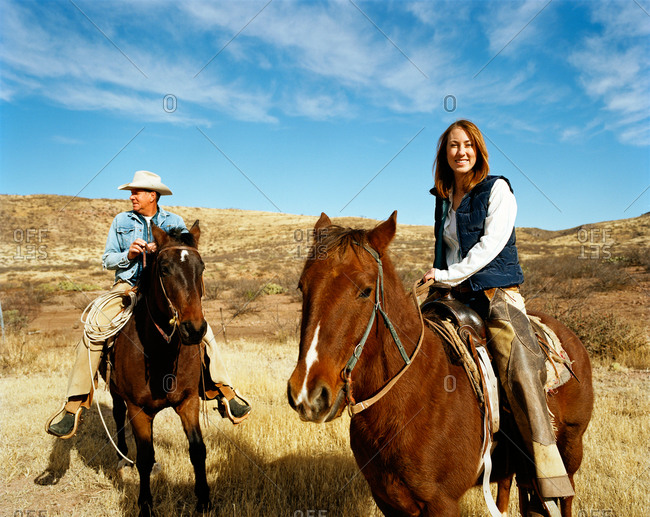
point(346, 374)
point(174, 320)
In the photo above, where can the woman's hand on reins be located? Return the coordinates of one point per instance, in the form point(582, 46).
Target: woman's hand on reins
point(429, 275)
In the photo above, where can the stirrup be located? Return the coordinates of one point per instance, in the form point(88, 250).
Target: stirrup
point(77, 418)
point(224, 403)
point(550, 505)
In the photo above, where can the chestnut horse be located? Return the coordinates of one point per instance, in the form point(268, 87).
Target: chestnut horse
point(156, 357)
point(419, 446)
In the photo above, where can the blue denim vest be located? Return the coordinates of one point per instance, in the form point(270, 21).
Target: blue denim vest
point(126, 228)
point(504, 270)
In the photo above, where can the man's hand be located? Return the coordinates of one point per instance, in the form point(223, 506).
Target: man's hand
point(140, 245)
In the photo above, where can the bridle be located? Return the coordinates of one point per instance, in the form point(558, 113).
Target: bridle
point(174, 320)
point(346, 373)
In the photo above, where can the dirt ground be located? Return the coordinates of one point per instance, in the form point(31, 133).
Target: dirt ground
point(266, 317)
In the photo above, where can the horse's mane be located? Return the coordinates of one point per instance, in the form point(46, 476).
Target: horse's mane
point(182, 236)
point(338, 238)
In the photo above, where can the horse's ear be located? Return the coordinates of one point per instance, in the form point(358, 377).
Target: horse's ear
point(323, 222)
point(159, 235)
point(196, 232)
point(382, 234)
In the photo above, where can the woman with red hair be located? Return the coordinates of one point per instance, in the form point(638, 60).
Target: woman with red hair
point(476, 254)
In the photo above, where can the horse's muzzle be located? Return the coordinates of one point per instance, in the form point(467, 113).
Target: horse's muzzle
point(319, 405)
point(191, 333)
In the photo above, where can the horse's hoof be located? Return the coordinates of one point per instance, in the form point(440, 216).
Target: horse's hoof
point(146, 511)
point(203, 507)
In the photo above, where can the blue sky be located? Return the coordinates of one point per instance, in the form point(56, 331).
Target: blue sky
point(303, 107)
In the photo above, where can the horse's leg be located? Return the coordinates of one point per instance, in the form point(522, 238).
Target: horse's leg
point(524, 497)
point(503, 494)
point(571, 449)
point(119, 415)
point(141, 423)
point(188, 410)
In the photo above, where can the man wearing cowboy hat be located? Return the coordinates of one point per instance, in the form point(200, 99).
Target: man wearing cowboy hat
point(128, 238)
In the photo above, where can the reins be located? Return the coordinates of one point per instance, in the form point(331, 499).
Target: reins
point(346, 374)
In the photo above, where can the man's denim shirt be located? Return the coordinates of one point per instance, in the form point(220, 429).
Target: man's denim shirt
point(126, 228)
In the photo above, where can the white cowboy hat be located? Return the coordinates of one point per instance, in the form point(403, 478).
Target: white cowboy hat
point(148, 181)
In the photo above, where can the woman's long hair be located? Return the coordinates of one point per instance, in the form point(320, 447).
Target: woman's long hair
point(444, 175)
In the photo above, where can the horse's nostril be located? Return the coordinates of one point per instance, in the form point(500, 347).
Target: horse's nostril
point(322, 401)
point(193, 333)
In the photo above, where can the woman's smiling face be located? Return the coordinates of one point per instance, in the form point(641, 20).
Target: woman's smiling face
point(461, 154)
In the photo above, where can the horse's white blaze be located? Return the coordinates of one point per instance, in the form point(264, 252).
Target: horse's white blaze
point(310, 359)
point(184, 255)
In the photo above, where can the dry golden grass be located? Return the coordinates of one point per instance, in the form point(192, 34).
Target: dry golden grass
point(273, 464)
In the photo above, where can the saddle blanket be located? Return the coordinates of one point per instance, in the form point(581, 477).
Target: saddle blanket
point(557, 361)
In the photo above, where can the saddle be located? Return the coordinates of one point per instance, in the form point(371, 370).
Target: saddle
point(464, 331)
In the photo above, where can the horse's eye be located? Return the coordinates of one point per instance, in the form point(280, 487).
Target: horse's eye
point(365, 293)
point(164, 270)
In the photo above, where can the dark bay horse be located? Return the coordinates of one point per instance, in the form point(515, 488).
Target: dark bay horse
point(157, 362)
point(419, 446)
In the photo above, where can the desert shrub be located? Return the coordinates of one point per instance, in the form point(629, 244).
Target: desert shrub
point(69, 285)
point(565, 274)
point(21, 306)
point(213, 289)
point(247, 289)
point(288, 279)
point(273, 288)
point(605, 335)
point(637, 257)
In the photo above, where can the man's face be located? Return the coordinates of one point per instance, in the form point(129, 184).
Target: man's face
point(143, 201)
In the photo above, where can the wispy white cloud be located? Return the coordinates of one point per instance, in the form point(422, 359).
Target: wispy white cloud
point(66, 140)
point(614, 69)
point(510, 25)
point(323, 60)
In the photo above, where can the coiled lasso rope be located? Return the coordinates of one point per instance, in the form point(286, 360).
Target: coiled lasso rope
point(96, 332)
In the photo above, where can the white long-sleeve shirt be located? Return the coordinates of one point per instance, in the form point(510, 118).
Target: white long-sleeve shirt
point(499, 223)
